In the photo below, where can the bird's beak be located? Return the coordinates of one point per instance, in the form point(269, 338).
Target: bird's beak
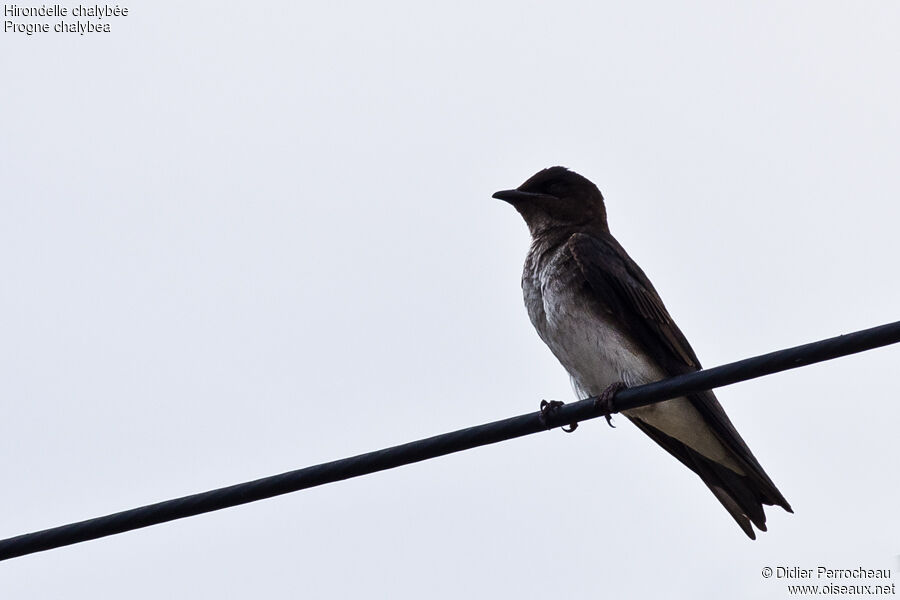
point(515, 196)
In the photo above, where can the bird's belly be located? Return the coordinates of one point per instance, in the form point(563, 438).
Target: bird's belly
point(593, 350)
point(597, 354)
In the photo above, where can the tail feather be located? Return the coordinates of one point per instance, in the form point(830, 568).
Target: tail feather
point(743, 496)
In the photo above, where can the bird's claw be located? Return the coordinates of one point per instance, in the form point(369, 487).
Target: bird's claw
point(604, 401)
point(548, 407)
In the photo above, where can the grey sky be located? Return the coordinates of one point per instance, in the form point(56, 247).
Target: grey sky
point(239, 239)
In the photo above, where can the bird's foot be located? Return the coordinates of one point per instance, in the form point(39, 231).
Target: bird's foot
point(548, 408)
point(604, 401)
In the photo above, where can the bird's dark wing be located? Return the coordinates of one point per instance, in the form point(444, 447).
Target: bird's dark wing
point(621, 288)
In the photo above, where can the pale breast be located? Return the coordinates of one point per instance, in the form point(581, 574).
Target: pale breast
point(596, 353)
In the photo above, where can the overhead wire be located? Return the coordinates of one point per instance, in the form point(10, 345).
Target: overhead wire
point(447, 443)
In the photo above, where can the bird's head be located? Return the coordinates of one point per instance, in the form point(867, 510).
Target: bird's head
point(557, 197)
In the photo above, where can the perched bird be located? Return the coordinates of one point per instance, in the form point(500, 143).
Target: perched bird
point(602, 318)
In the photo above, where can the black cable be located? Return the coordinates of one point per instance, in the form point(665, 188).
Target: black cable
point(447, 443)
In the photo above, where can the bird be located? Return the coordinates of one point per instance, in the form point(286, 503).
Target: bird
point(597, 311)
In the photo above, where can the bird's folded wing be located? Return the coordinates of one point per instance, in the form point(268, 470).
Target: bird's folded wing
point(622, 288)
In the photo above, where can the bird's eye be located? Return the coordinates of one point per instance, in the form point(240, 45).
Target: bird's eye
point(556, 189)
